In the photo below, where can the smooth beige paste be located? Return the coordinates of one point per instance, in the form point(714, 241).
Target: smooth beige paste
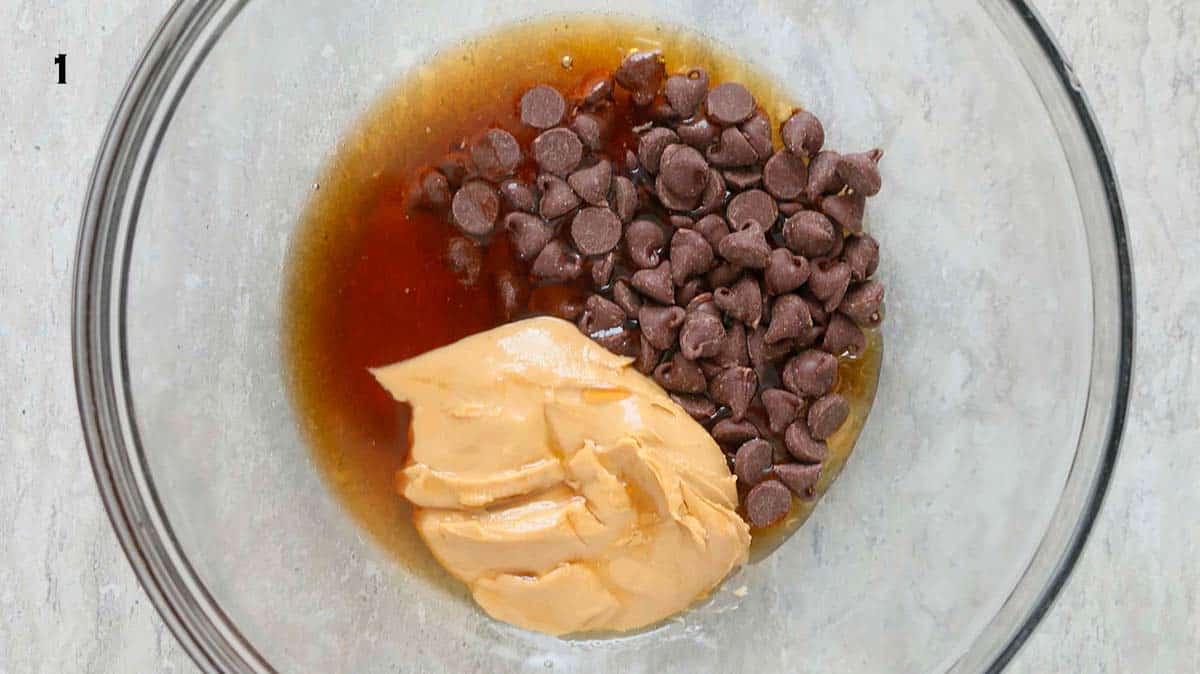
point(562, 486)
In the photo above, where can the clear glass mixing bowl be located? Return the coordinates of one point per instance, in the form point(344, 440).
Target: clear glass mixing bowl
point(954, 524)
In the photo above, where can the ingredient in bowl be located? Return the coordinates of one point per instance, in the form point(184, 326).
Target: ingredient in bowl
point(567, 490)
point(733, 271)
point(376, 277)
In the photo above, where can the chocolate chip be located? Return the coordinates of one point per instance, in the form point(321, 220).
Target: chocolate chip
point(689, 290)
point(733, 349)
point(757, 130)
point(710, 367)
point(698, 133)
point(700, 408)
point(801, 478)
point(730, 432)
point(518, 195)
point(810, 336)
point(839, 242)
point(862, 254)
point(842, 336)
point(779, 454)
point(680, 375)
point(742, 301)
point(670, 199)
point(704, 303)
point(812, 373)
point(846, 210)
point(783, 407)
point(558, 198)
point(768, 503)
point(512, 294)
point(599, 316)
point(785, 175)
point(495, 153)
point(809, 233)
point(660, 325)
point(557, 151)
point(647, 358)
point(557, 263)
point(431, 189)
point(644, 240)
point(683, 170)
point(542, 107)
point(592, 183)
point(789, 315)
point(816, 308)
point(734, 387)
point(790, 208)
point(822, 175)
point(602, 269)
point(862, 302)
point(802, 445)
point(762, 354)
point(742, 178)
point(701, 335)
point(686, 92)
point(528, 234)
point(751, 205)
point(457, 167)
point(662, 112)
point(651, 145)
point(752, 463)
point(732, 149)
point(655, 283)
point(667, 152)
point(723, 274)
point(620, 340)
point(690, 255)
point(595, 88)
point(465, 259)
point(475, 207)
point(747, 248)
point(785, 272)
point(802, 133)
point(591, 130)
point(714, 193)
point(631, 162)
point(624, 296)
point(860, 172)
point(680, 221)
point(642, 74)
point(829, 281)
point(826, 415)
point(713, 228)
point(729, 103)
point(624, 198)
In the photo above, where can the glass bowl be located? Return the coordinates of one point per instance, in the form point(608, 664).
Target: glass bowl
point(952, 527)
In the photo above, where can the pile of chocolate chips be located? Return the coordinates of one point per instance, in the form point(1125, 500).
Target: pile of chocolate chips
point(735, 273)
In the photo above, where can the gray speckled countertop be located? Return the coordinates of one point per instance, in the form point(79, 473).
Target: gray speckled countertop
point(69, 602)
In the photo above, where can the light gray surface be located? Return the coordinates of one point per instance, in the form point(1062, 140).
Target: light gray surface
point(68, 601)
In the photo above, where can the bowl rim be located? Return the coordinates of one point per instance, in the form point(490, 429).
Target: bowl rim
point(173, 55)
